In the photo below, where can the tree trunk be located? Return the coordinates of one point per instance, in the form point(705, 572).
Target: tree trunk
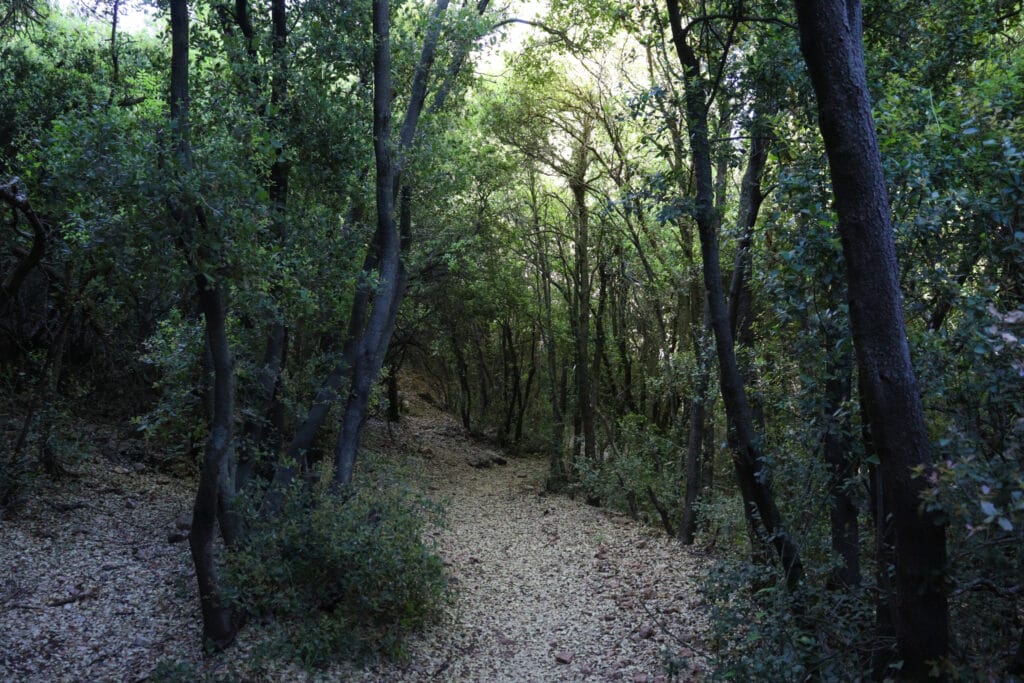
point(584, 392)
point(748, 459)
point(837, 448)
point(375, 338)
point(465, 393)
point(688, 528)
point(219, 628)
point(831, 42)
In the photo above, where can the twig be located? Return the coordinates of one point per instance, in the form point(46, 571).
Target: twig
point(66, 507)
point(665, 629)
point(991, 587)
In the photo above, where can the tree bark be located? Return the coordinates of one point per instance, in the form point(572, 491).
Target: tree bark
point(832, 45)
point(375, 337)
point(18, 201)
point(219, 628)
point(584, 390)
point(837, 448)
point(748, 459)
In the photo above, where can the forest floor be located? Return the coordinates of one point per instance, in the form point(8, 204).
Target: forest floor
point(547, 588)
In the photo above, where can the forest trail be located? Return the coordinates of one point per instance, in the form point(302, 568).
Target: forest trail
point(542, 579)
point(547, 588)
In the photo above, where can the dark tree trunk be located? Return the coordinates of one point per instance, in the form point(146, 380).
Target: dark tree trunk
point(556, 465)
point(837, 447)
point(584, 390)
point(465, 392)
point(376, 336)
point(695, 440)
point(688, 528)
point(740, 313)
point(219, 628)
point(18, 201)
point(749, 461)
point(524, 397)
point(394, 410)
point(831, 41)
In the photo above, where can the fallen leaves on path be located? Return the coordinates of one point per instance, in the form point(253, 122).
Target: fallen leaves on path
point(547, 588)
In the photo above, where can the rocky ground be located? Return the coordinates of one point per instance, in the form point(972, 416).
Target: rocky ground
point(549, 589)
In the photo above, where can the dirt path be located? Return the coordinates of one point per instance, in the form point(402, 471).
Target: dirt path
point(545, 579)
point(549, 589)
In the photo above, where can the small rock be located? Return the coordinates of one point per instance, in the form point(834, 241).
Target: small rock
point(563, 657)
point(140, 642)
point(176, 537)
point(586, 670)
point(130, 503)
point(498, 460)
point(641, 678)
point(183, 522)
point(138, 467)
point(646, 632)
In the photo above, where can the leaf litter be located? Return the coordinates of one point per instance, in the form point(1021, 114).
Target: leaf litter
point(546, 588)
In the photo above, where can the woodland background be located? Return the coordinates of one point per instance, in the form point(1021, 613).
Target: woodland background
point(649, 245)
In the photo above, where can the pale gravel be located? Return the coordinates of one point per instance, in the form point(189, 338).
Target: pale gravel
point(536, 576)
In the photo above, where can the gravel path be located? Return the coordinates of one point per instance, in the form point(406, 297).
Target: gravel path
point(548, 589)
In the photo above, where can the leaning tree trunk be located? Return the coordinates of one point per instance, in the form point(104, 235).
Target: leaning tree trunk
point(219, 628)
point(748, 459)
point(375, 338)
point(832, 45)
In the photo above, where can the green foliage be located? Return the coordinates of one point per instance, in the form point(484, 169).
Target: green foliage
point(642, 463)
point(761, 632)
point(174, 351)
point(179, 671)
point(345, 576)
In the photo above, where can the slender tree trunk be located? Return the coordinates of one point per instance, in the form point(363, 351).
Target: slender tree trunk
point(831, 41)
point(748, 459)
point(556, 465)
point(465, 393)
point(695, 441)
point(375, 338)
point(837, 447)
point(219, 628)
point(741, 299)
point(584, 390)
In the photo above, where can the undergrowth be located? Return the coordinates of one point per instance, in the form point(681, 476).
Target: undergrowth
point(340, 576)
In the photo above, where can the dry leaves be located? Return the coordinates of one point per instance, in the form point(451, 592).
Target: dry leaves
point(549, 589)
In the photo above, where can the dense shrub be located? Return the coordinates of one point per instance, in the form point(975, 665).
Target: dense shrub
point(769, 634)
point(640, 469)
point(344, 576)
